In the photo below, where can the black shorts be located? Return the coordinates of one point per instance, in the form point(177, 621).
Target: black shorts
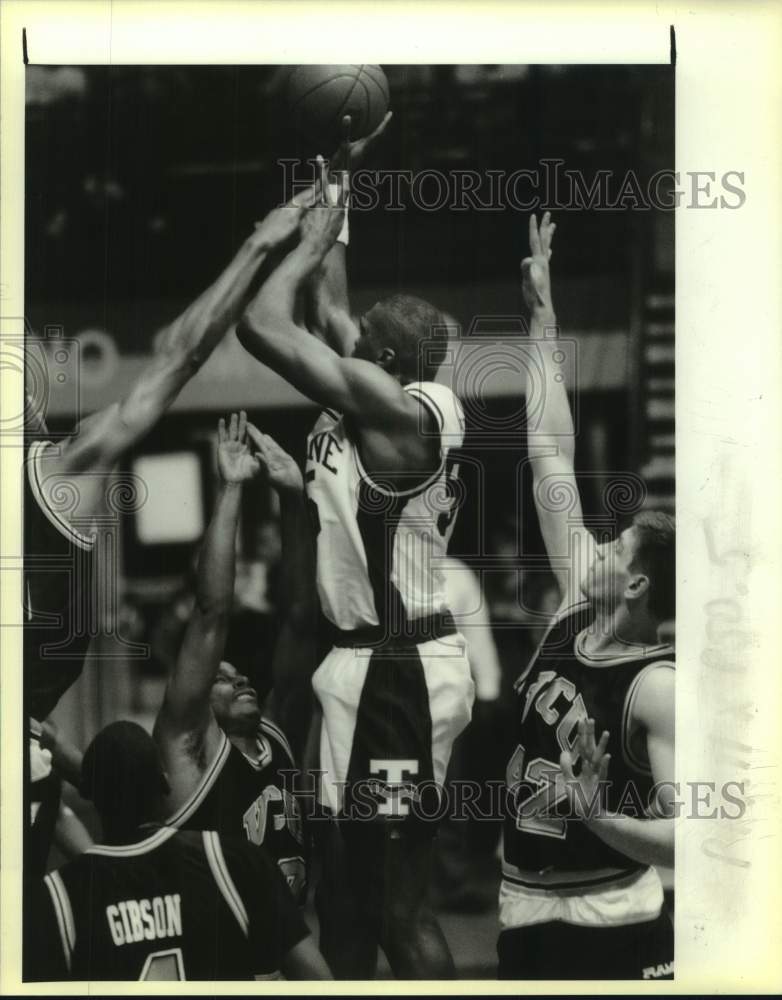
point(557, 950)
point(390, 717)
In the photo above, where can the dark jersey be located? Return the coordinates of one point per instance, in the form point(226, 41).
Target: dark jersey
point(44, 802)
point(59, 608)
point(562, 685)
point(239, 795)
point(177, 905)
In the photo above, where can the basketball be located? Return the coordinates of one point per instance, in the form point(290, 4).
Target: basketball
point(318, 97)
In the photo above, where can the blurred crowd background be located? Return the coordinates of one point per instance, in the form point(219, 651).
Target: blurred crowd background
point(141, 182)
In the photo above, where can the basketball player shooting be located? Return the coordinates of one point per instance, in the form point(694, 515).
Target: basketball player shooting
point(230, 769)
point(580, 897)
point(395, 690)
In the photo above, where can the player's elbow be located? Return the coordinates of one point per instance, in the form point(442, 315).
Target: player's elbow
point(252, 332)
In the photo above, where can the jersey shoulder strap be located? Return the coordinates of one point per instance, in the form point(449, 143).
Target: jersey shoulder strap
point(629, 753)
point(562, 629)
point(445, 407)
point(325, 420)
point(204, 786)
point(63, 912)
point(274, 733)
point(217, 864)
point(57, 519)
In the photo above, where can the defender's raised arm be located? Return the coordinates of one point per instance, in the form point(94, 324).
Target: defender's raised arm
point(364, 387)
point(186, 709)
point(180, 350)
point(552, 443)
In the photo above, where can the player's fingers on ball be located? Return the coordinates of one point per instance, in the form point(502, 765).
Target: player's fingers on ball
point(382, 126)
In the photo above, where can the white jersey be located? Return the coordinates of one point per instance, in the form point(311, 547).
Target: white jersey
point(380, 549)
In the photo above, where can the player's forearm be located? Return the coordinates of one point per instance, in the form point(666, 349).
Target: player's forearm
point(650, 841)
point(553, 426)
point(304, 361)
point(330, 316)
point(217, 562)
point(193, 335)
point(279, 291)
point(179, 352)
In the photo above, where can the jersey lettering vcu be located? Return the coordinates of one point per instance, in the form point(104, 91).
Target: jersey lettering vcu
point(544, 846)
point(176, 905)
point(254, 798)
point(378, 547)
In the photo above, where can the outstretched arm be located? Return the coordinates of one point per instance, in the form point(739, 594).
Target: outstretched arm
point(180, 350)
point(295, 651)
point(185, 708)
point(388, 418)
point(329, 305)
point(552, 442)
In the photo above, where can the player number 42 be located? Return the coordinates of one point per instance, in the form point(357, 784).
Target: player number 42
point(535, 810)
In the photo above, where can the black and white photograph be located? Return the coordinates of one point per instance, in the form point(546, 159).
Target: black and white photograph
point(348, 483)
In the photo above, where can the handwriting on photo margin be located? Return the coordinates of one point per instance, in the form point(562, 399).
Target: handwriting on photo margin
point(725, 644)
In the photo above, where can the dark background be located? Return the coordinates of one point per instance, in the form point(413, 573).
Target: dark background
point(142, 182)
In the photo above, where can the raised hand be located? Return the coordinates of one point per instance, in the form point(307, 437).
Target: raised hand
point(282, 470)
point(282, 223)
point(584, 788)
point(235, 460)
point(535, 277)
point(321, 223)
point(352, 154)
